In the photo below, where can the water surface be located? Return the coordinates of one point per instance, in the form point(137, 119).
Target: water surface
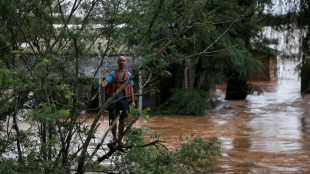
point(267, 133)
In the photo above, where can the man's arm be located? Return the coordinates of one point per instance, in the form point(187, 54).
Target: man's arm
point(104, 83)
point(108, 79)
point(133, 104)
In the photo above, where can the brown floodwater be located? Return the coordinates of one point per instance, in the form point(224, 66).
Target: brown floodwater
point(267, 133)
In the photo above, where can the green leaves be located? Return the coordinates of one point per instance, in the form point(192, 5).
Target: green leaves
point(188, 102)
point(199, 155)
point(64, 112)
point(6, 78)
point(195, 155)
point(45, 113)
point(15, 51)
point(66, 90)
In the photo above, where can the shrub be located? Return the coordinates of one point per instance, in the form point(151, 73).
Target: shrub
point(188, 102)
point(194, 156)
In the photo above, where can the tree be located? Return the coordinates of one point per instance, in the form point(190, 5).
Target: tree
point(304, 24)
point(47, 73)
point(294, 18)
point(219, 46)
point(43, 46)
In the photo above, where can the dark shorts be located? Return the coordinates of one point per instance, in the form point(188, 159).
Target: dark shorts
point(120, 105)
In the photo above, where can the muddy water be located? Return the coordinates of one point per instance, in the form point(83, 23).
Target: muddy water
point(269, 133)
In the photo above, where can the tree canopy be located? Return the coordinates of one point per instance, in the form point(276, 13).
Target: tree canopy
point(44, 45)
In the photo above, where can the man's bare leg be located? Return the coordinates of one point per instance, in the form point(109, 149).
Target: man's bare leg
point(121, 128)
point(113, 145)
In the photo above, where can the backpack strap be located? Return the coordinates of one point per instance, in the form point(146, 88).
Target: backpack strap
point(119, 77)
point(125, 75)
point(116, 84)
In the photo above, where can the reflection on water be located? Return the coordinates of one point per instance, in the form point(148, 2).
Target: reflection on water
point(269, 133)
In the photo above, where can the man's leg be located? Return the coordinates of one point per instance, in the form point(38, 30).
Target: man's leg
point(121, 128)
point(113, 112)
point(113, 145)
point(113, 130)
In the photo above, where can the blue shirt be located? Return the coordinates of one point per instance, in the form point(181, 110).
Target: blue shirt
point(113, 78)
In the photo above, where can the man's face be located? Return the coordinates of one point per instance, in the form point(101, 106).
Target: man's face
point(122, 62)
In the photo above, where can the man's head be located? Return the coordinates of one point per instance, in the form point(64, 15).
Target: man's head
point(121, 62)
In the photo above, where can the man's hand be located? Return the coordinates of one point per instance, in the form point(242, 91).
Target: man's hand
point(104, 83)
point(133, 104)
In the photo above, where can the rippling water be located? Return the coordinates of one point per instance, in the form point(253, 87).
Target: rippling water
point(269, 133)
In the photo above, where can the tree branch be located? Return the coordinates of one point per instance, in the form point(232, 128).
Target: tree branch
point(110, 153)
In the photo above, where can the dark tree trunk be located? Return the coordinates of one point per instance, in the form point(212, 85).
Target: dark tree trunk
point(305, 78)
point(236, 89)
point(18, 138)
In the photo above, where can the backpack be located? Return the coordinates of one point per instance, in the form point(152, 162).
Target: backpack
point(112, 87)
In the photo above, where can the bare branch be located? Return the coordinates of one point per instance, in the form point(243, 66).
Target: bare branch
point(110, 153)
point(103, 138)
point(156, 14)
point(96, 119)
point(220, 35)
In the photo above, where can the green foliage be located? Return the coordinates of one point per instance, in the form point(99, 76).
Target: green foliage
point(32, 165)
point(6, 77)
point(187, 102)
point(42, 80)
point(234, 43)
point(225, 28)
point(6, 84)
point(194, 156)
point(45, 113)
point(199, 155)
point(11, 166)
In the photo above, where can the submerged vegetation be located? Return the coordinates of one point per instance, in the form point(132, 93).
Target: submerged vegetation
point(195, 155)
point(44, 46)
point(187, 102)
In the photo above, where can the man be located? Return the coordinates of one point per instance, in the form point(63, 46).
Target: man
point(114, 80)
